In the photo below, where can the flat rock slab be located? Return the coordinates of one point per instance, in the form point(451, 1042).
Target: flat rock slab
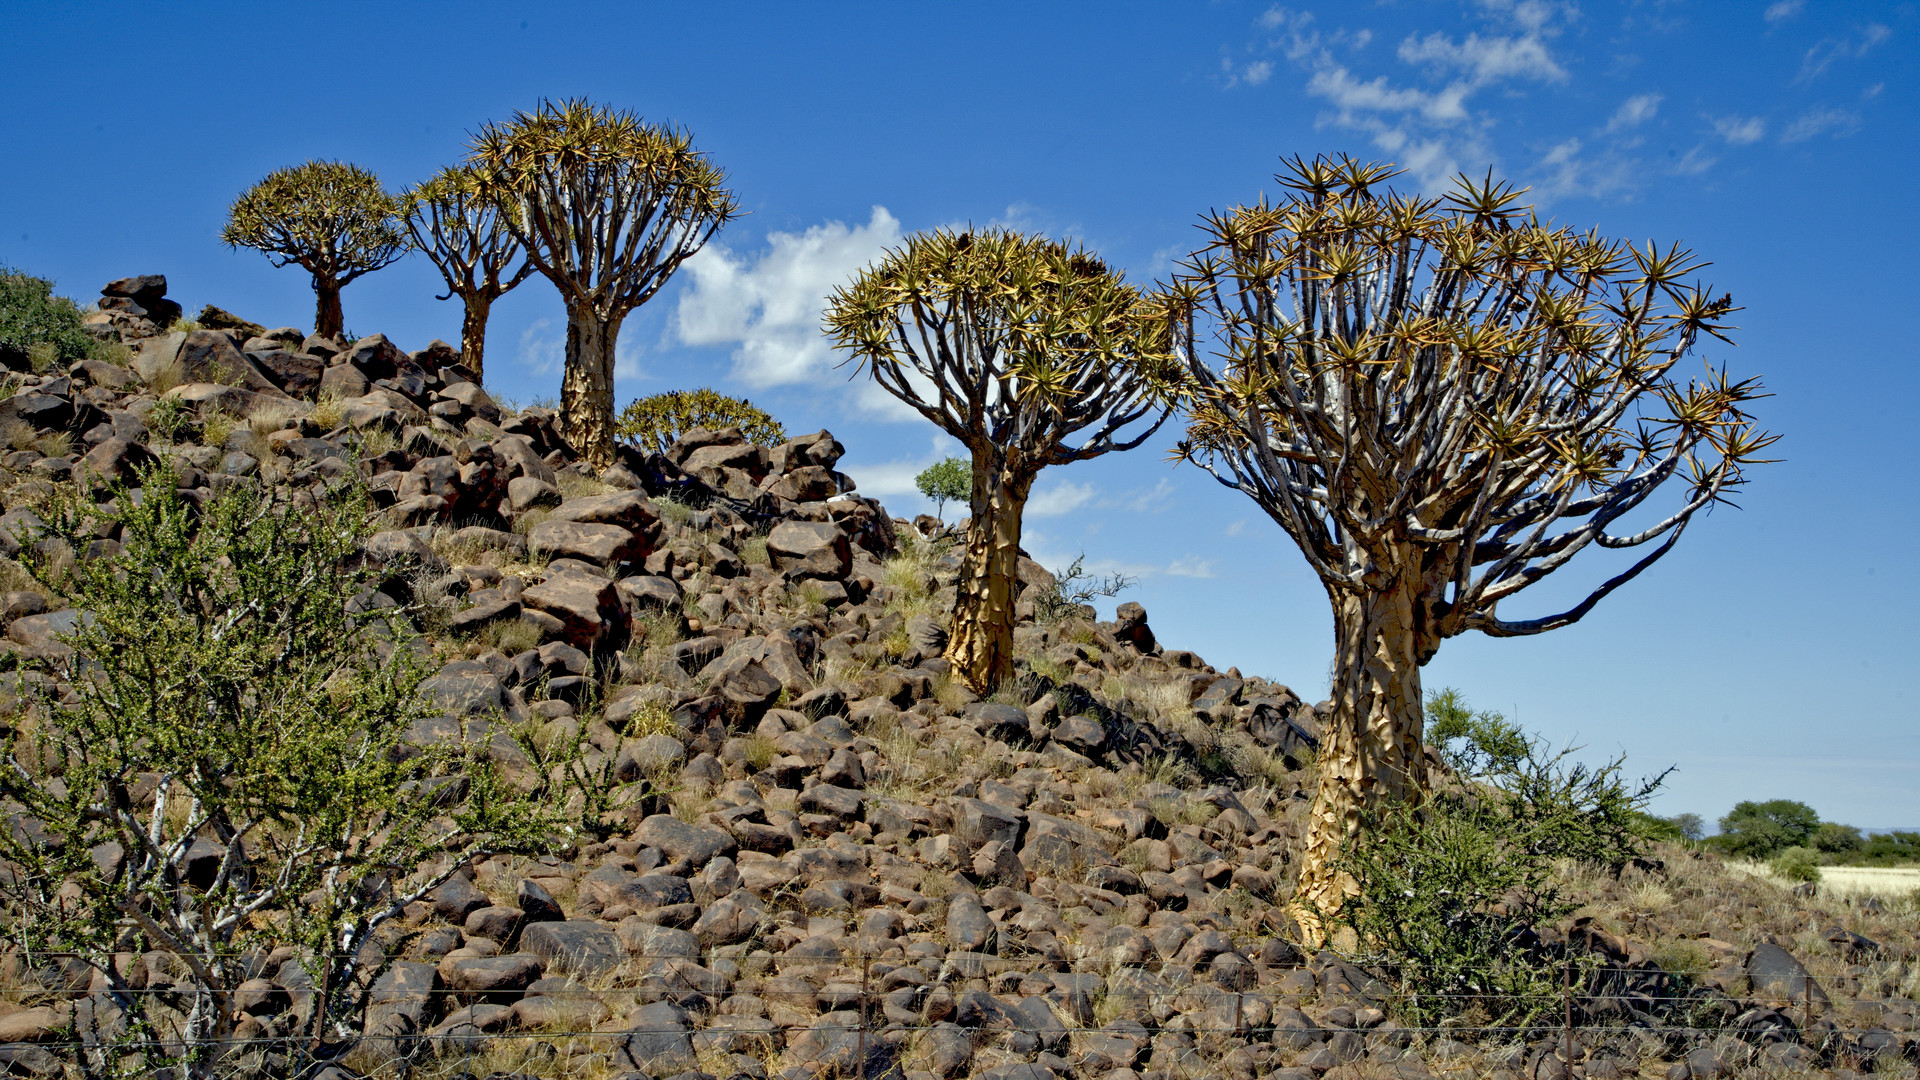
point(581, 945)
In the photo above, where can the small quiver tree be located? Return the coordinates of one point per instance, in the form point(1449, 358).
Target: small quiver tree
point(456, 222)
point(1442, 402)
point(656, 422)
point(330, 218)
point(1012, 344)
point(608, 207)
point(227, 772)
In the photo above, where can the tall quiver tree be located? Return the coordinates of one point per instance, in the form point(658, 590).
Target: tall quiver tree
point(331, 218)
point(1442, 402)
point(457, 222)
point(1012, 344)
point(608, 207)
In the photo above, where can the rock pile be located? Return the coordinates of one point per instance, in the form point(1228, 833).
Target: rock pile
point(833, 857)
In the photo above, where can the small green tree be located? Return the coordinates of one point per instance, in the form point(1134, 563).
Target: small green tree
point(1756, 830)
point(228, 772)
point(331, 218)
point(945, 482)
point(655, 423)
point(456, 222)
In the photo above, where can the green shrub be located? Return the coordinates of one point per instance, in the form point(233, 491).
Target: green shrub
point(1796, 864)
point(232, 696)
point(1473, 744)
point(31, 315)
point(654, 423)
point(1450, 891)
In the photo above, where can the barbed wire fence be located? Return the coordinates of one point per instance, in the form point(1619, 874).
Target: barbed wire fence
point(729, 1015)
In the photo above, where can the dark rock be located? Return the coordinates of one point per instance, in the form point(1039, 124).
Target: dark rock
point(836, 802)
point(968, 927)
point(658, 1043)
point(538, 904)
point(575, 945)
point(1130, 626)
point(589, 609)
point(1081, 733)
point(601, 545)
point(1777, 976)
point(948, 1048)
point(297, 373)
point(999, 721)
point(810, 549)
point(694, 844)
point(977, 821)
point(456, 898)
point(492, 978)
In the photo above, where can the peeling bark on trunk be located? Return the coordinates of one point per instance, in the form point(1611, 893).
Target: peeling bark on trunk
point(473, 336)
point(327, 319)
point(586, 391)
point(980, 647)
point(1371, 752)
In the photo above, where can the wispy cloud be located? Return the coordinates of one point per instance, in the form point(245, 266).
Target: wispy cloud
point(543, 347)
point(1633, 112)
point(1062, 497)
point(1825, 53)
point(1740, 130)
point(1781, 10)
point(1817, 122)
point(1149, 499)
point(1424, 114)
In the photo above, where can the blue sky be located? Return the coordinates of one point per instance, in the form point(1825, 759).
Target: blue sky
point(1777, 139)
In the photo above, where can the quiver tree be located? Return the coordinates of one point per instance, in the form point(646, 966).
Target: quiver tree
point(1012, 344)
point(330, 218)
point(457, 223)
point(608, 207)
point(1442, 402)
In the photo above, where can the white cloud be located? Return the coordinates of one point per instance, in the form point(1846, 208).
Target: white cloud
point(543, 349)
point(1820, 122)
point(1633, 112)
point(1740, 130)
point(1190, 566)
point(1153, 498)
point(1485, 60)
point(1782, 9)
point(1571, 173)
point(1824, 54)
point(1427, 119)
point(1695, 162)
point(768, 306)
point(1257, 72)
point(1062, 497)
point(1237, 527)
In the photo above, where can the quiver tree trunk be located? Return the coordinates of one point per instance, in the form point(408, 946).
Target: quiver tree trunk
point(586, 391)
point(980, 647)
point(473, 335)
point(1371, 753)
point(327, 319)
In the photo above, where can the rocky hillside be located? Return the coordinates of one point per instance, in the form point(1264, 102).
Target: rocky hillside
point(828, 857)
